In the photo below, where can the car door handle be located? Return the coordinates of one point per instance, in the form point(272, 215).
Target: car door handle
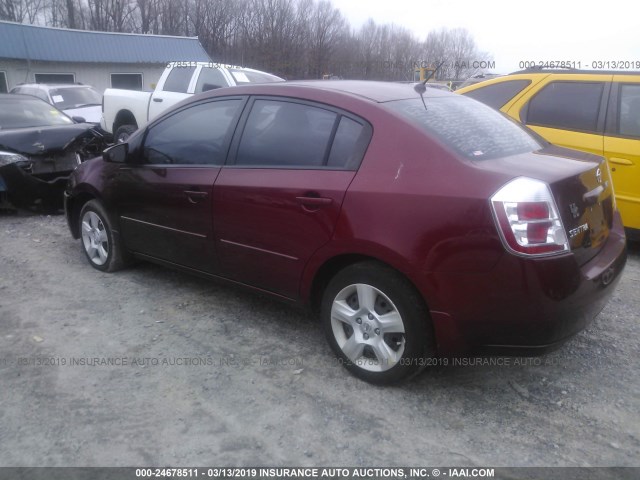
point(311, 204)
point(156, 99)
point(195, 196)
point(620, 161)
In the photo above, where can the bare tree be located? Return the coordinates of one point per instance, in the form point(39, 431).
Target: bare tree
point(326, 28)
point(292, 38)
point(20, 10)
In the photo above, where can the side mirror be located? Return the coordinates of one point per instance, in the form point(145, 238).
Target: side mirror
point(79, 119)
point(117, 153)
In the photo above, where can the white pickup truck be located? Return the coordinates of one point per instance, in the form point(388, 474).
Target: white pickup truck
point(123, 111)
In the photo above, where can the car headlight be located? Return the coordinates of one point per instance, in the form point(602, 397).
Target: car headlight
point(7, 158)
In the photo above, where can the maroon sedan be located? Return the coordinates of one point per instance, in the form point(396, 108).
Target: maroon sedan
point(416, 226)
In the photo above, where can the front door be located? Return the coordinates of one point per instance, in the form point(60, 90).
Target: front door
point(165, 198)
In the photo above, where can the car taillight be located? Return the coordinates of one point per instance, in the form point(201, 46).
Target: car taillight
point(527, 218)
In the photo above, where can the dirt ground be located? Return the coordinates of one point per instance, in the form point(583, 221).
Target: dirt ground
point(204, 374)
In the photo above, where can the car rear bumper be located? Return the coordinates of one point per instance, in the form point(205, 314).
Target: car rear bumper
point(526, 306)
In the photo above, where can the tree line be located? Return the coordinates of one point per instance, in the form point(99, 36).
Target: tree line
point(291, 38)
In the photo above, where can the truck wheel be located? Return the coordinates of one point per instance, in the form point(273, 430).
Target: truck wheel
point(123, 132)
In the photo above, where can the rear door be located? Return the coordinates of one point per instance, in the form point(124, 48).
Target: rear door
point(172, 88)
point(622, 146)
point(165, 198)
point(568, 112)
point(277, 202)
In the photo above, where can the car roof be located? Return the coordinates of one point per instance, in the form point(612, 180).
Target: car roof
point(378, 92)
point(45, 86)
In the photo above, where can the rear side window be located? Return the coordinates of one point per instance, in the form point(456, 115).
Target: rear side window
point(498, 94)
point(469, 128)
point(567, 105)
point(194, 136)
point(179, 79)
point(210, 79)
point(247, 76)
point(286, 134)
point(349, 144)
point(629, 111)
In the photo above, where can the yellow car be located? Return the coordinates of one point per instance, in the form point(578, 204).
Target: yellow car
point(594, 111)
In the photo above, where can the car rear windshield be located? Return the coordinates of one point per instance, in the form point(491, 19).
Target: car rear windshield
point(66, 98)
point(468, 127)
point(24, 112)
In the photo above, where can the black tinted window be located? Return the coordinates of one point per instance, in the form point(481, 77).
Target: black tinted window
point(128, 81)
point(567, 105)
point(470, 128)
point(194, 136)
point(285, 134)
point(349, 144)
point(629, 111)
point(498, 94)
point(3, 82)
point(210, 79)
point(179, 79)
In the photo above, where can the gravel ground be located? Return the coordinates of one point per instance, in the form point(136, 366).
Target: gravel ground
point(204, 374)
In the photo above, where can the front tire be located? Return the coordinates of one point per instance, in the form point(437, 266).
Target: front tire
point(377, 323)
point(99, 243)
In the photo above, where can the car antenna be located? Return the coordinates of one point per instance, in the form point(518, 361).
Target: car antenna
point(421, 87)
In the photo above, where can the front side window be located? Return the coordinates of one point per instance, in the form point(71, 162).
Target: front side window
point(469, 128)
point(286, 134)
point(179, 79)
point(3, 83)
point(196, 135)
point(629, 111)
point(498, 94)
point(567, 105)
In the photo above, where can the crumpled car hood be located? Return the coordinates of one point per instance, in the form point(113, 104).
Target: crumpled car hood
point(37, 140)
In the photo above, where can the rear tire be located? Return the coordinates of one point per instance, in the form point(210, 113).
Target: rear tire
point(123, 132)
point(377, 323)
point(101, 246)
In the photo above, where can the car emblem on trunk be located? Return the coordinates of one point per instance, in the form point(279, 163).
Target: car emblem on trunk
point(599, 176)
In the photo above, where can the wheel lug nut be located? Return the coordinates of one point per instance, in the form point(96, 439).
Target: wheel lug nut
point(366, 336)
point(377, 330)
point(359, 321)
point(371, 316)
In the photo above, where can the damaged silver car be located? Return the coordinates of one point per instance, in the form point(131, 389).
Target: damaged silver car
point(39, 147)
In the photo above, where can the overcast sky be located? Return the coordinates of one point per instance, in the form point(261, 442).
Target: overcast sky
point(514, 31)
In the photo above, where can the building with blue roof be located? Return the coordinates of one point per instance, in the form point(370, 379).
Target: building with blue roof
point(33, 54)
